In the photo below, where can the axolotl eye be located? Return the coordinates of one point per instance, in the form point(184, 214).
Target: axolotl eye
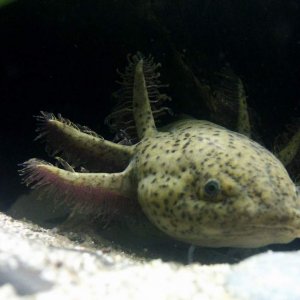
point(212, 187)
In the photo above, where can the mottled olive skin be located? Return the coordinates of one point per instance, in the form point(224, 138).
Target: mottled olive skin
point(196, 181)
point(257, 203)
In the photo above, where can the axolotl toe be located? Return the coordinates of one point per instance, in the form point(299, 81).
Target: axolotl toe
point(196, 181)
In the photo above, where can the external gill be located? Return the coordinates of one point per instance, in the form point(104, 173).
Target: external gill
point(143, 117)
point(80, 146)
point(97, 194)
point(229, 92)
point(122, 119)
point(289, 152)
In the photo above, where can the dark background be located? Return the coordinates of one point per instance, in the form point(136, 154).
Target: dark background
point(62, 56)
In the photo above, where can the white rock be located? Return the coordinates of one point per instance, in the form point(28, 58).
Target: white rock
point(267, 276)
point(40, 264)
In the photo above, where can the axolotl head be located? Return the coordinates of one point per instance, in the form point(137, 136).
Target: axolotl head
point(208, 186)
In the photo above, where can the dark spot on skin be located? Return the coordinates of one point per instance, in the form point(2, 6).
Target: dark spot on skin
point(257, 194)
point(154, 212)
point(196, 206)
point(204, 161)
point(186, 144)
point(156, 205)
point(163, 227)
point(181, 195)
point(153, 180)
point(162, 186)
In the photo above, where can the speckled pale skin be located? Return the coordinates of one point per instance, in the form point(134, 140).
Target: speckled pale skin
point(256, 202)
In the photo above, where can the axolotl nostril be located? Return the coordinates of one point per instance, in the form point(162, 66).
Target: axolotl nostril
point(196, 181)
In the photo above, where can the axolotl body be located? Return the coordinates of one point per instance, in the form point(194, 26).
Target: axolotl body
point(196, 181)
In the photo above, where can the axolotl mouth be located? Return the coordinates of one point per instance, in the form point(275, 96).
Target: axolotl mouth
point(232, 230)
point(252, 236)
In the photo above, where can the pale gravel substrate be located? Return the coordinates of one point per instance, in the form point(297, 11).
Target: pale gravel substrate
point(41, 264)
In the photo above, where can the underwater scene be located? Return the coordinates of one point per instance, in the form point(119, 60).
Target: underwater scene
point(155, 132)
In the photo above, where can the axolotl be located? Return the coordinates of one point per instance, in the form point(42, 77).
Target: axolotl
point(196, 181)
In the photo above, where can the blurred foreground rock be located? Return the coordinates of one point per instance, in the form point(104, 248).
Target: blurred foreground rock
point(40, 264)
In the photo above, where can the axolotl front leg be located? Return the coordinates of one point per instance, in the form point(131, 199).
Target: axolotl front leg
point(89, 193)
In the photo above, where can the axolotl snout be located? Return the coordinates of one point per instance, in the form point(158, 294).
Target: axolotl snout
point(196, 181)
